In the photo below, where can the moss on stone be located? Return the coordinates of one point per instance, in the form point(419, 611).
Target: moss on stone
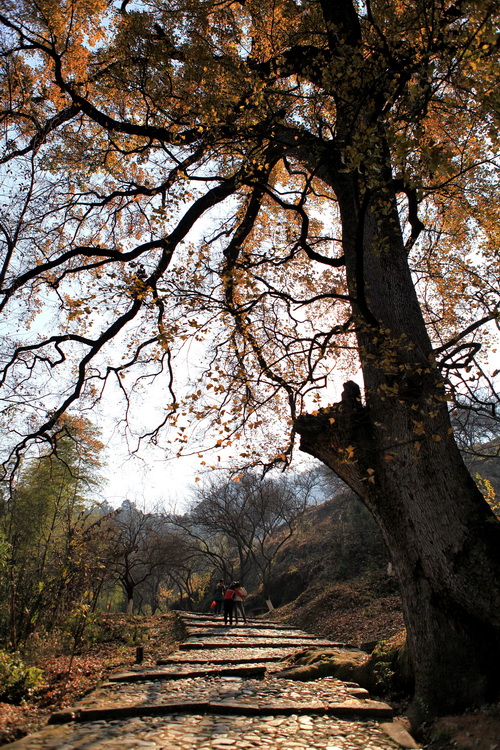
point(386, 670)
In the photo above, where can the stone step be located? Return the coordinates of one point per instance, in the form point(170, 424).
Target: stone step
point(233, 654)
point(348, 710)
point(209, 621)
point(235, 643)
point(150, 675)
point(209, 617)
point(210, 685)
point(184, 731)
point(221, 692)
point(220, 688)
point(244, 632)
point(224, 660)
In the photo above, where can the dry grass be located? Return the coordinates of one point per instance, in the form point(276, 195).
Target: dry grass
point(347, 612)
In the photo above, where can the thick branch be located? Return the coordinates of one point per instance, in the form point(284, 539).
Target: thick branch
point(66, 114)
point(340, 436)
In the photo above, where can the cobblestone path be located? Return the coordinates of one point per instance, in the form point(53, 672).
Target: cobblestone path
point(221, 690)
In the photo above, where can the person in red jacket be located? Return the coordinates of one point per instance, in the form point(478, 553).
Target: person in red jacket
point(228, 604)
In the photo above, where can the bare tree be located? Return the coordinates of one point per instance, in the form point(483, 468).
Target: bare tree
point(476, 423)
point(217, 548)
point(258, 515)
point(139, 549)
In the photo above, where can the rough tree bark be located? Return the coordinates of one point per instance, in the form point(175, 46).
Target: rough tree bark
point(397, 452)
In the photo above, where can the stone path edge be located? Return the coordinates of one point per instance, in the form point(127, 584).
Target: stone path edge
point(204, 646)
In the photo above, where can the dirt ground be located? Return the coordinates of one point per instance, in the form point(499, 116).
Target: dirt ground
point(475, 731)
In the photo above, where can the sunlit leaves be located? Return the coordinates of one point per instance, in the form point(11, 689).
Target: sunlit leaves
point(179, 172)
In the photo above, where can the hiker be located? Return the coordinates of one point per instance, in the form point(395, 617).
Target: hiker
point(219, 597)
point(239, 595)
point(228, 604)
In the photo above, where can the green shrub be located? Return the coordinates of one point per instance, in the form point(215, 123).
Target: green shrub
point(17, 681)
point(389, 667)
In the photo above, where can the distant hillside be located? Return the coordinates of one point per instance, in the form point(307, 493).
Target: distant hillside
point(336, 541)
point(332, 578)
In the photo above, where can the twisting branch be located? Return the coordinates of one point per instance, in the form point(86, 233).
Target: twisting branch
point(65, 115)
point(242, 326)
point(304, 245)
point(459, 336)
point(167, 245)
point(417, 226)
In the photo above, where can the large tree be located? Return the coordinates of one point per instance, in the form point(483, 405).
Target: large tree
point(311, 184)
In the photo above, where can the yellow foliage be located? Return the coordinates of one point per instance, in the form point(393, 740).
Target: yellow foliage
point(172, 165)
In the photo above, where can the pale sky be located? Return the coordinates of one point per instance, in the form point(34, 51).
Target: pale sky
point(155, 480)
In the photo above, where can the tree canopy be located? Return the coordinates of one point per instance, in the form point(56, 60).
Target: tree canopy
point(288, 189)
point(164, 180)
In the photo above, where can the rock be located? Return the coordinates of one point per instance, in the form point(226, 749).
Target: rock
point(398, 733)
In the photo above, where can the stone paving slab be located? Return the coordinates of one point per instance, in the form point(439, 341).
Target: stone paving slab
point(175, 670)
point(199, 619)
point(218, 620)
point(243, 632)
point(325, 693)
point(208, 655)
point(226, 655)
point(211, 732)
point(347, 710)
point(150, 675)
point(257, 629)
point(236, 641)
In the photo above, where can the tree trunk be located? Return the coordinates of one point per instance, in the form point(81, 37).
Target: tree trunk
point(130, 602)
point(398, 454)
